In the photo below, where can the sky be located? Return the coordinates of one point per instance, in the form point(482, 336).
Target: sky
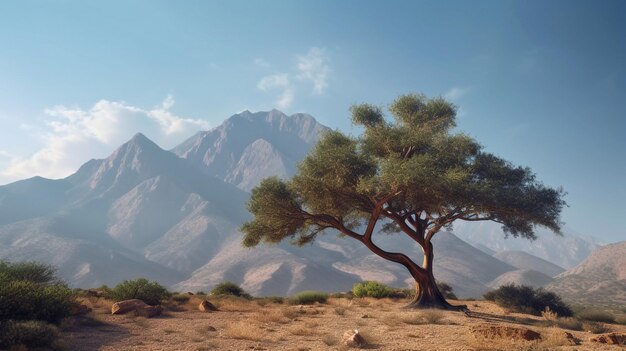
point(539, 83)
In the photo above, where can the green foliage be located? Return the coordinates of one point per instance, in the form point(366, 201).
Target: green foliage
point(31, 291)
point(596, 316)
point(28, 333)
point(308, 298)
point(229, 289)
point(526, 299)
point(371, 288)
point(151, 293)
point(28, 271)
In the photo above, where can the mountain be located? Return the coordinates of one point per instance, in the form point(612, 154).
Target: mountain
point(248, 147)
point(174, 216)
point(109, 220)
point(565, 251)
point(526, 277)
point(600, 279)
point(526, 261)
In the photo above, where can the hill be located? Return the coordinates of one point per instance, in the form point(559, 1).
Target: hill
point(600, 279)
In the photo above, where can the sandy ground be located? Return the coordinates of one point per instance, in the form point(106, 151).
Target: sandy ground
point(262, 325)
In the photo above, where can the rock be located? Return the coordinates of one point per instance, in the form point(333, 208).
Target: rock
point(210, 328)
point(611, 338)
point(127, 306)
point(504, 332)
point(572, 339)
point(79, 309)
point(365, 316)
point(352, 338)
point(206, 306)
point(149, 311)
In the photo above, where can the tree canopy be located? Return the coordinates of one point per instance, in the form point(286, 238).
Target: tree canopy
point(412, 172)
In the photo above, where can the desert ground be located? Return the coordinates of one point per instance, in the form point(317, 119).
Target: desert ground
point(265, 325)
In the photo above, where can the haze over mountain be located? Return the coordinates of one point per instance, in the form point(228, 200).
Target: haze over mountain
point(175, 217)
point(599, 279)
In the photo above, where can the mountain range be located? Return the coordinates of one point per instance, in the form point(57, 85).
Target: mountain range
point(174, 216)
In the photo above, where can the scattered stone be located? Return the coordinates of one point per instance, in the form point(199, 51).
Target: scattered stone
point(365, 316)
point(78, 309)
point(611, 338)
point(572, 339)
point(504, 332)
point(352, 338)
point(126, 306)
point(149, 311)
point(211, 329)
point(206, 306)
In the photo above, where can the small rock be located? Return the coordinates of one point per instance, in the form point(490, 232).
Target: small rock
point(127, 306)
point(572, 339)
point(211, 329)
point(352, 338)
point(504, 332)
point(79, 309)
point(365, 316)
point(206, 306)
point(611, 338)
point(149, 311)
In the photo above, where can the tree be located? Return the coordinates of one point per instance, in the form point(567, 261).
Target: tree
point(412, 175)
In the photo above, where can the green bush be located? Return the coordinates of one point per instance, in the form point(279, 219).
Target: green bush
point(151, 293)
point(229, 289)
point(26, 300)
point(308, 298)
point(596, 316)
point(526, 299)
point(28, 333)
point(28, 271)
point(371, 288)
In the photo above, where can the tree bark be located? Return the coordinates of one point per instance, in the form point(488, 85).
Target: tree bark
point(427, 294)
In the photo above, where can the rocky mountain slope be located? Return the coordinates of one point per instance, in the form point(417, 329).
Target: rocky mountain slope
point(600, 279)
point(251, 146)
point(526, 261)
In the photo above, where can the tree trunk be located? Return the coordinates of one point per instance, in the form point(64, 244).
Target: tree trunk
point(427, 294)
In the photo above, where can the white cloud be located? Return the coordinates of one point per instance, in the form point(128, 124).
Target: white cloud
point(274, 81)
point(72, 135)
point(314, 67)
point(261, 62)
point(456, 93)
point(310, 68)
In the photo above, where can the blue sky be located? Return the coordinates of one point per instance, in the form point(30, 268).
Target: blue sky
point(540, 83)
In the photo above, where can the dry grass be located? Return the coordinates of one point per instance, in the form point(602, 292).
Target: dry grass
point(243, 330)
point(244, 324)
point(423, 317)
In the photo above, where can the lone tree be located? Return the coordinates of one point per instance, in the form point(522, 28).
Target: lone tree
point(413, 175)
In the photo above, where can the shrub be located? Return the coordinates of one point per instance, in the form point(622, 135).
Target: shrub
point(181, 298)
point(229, 289)
point(446, 291)
point(371, 288)
point(525, 299)
point(569, 323)
point(308, 298)
point(28, 271)
point(28, 333)
point(25, 300)
point(596, 316)
point(151, 293)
